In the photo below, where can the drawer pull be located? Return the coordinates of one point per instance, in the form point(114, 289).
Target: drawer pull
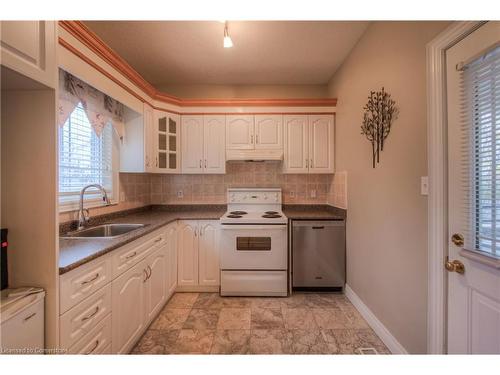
point(158, 239)
point(85, 318)
point(150, 272)
point(96, 344)
point(131, 255)
point(318, 227)
point(29, 316)
point(92, 279)
point(146, 274)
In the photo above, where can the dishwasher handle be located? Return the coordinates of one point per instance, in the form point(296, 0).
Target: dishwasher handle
point(318, 224)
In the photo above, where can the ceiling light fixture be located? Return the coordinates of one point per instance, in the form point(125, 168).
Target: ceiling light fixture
point(228, 43)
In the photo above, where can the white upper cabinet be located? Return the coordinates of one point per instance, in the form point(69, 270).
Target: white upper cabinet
point(29, 48)
point(268, 132)
point(240, 132)
point(296, 144)
point(309, 144)
point(214, 144)
point(203, 144)
point(321, 144)
point(192, 144)
point(167, 142)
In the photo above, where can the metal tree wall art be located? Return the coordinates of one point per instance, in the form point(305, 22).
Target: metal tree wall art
point(380, 111)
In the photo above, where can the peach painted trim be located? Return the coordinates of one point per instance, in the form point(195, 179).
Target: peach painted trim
point(97, 45)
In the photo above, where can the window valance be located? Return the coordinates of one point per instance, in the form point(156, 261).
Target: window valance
point(99, 107)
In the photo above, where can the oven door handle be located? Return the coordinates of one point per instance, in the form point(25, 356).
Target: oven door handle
point(255, 227)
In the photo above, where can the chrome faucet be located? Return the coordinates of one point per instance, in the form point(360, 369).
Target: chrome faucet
point(82, 219)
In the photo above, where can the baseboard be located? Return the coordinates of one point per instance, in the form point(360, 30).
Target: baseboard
point(385, 335)
point(197, 288)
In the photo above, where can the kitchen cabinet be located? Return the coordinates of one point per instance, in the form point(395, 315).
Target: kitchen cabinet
point(268, 132)
point(240, 132)
point(309, 144)
point(156, 286)
point(29, 48)
point(203, 144)
point(149, 145)
point(167, 143)
point(128, 312)
point(171, 258)
point(198, 253)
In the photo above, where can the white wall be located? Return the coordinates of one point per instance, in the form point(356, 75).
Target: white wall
point(387, 224)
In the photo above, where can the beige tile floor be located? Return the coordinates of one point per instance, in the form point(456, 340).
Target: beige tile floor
point(307, 323)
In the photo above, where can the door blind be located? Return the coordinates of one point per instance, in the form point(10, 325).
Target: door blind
point(481, 115)
point(84, 158)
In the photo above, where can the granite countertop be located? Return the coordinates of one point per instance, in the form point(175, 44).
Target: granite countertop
point(313, 212)
point(75, 252)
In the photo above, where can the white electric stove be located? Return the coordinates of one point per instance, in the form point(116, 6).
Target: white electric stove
point(253, 244)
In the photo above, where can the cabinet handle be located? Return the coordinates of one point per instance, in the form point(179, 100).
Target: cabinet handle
point(146, 274)
point(311, 163)
point(150, 272)
point(200, 163)
point(205, 163)
point(195, 231)
point(131, 255)
point(158, 239)
point(156, 161)
point(307, 163)
point(257, 138)
point(29, 316)
point(94, 348)
point(92, 279)
point(85, 318)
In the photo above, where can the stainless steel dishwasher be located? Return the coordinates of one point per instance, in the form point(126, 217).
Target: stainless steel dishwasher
point(318, 255)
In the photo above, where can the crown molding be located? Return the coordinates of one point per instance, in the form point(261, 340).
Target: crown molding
point(87, 37)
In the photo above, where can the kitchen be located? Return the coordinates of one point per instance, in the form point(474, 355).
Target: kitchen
point(163, 206)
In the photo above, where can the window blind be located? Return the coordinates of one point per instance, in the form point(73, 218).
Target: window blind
point(84, 158)
point(481, 99)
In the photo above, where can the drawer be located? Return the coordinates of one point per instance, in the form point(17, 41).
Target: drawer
point(81, 319)
point(130, 254)
point(80, 283)
point(97, 341)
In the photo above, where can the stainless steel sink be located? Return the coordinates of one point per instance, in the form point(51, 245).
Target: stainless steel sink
point(104, 231)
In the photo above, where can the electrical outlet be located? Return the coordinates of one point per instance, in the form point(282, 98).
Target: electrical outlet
point(180, 194)
point(313, 193)
point(292, 194)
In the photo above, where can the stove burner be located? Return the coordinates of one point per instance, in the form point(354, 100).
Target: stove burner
point(238, 213)
point(234, 216)
point(271, 212)
point(271, 216)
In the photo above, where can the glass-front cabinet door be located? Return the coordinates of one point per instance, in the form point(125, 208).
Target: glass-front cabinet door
point(167, 142)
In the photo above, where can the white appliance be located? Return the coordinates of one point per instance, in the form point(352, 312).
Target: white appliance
point(253, 244)
point(22, 321)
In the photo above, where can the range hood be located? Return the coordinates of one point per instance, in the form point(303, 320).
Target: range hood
point(256, 155)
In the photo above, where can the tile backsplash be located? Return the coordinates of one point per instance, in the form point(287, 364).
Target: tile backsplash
point(137, 190)
point(297, 188)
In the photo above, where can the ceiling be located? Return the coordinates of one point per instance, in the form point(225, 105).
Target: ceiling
point(264, 52)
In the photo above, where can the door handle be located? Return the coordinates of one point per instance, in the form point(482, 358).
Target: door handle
point(205, 163)
point(454, 266)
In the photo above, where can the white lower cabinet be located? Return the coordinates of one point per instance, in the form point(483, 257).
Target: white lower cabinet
point(198, 253)
point(128, 312)
point(109, 302)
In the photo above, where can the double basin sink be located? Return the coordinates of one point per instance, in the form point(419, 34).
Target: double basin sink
point(104, 231)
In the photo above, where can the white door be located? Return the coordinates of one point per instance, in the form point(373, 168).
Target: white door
point(214, 141)
point(296, 144)
point(171, 239)
point(128, 307)
point(321, 133)
point(269, 132)
point(192, 144)
point(156, 289)
point(209, 268)
point(187, 237)
point(240, 132)
point(473, 74)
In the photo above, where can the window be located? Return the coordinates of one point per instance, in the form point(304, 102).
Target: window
point(85, 158)
point(482, 84)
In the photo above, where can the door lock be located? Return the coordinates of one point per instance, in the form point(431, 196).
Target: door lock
point(455, 266)
point(457, 239)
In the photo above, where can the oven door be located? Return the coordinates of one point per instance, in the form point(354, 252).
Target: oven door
point(253, 247)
